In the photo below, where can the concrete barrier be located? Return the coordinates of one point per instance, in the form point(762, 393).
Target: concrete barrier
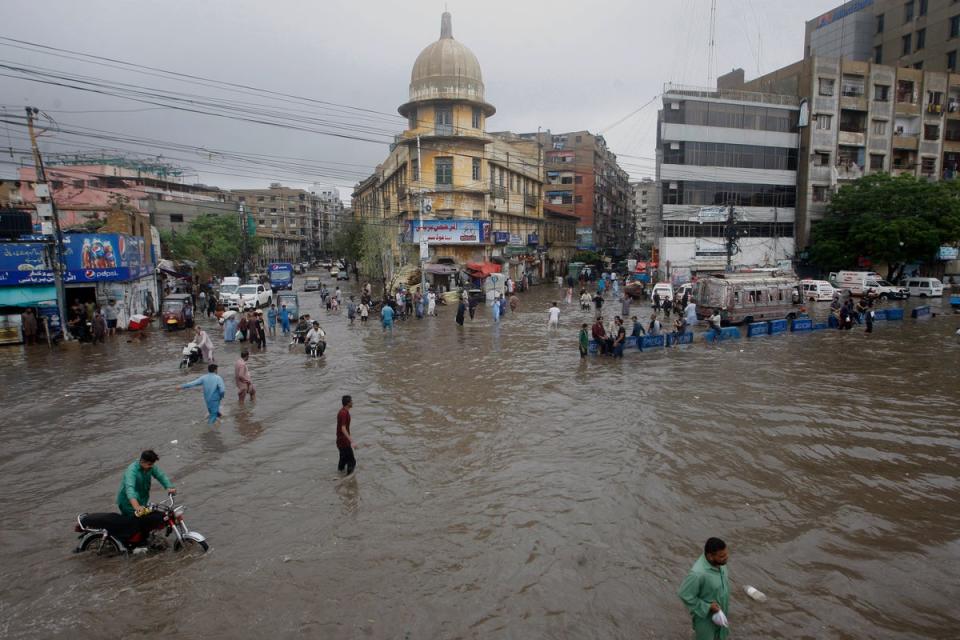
point(758, 329)
point(801, 324)
point(920, 312)
point(631, 343)
point(726, 333)
point(684, 338)
point(651, 342)
point(894, 314)
point(778, 326)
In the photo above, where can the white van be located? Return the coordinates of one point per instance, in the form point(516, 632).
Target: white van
point(816, 290)
point(925, 287)
point(664, 290)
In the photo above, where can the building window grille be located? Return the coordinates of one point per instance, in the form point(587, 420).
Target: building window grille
point(444, 171)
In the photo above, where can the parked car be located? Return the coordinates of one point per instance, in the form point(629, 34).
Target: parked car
point(253, 296)
point(334, 272)
point(171, 311)
point(343, 274)
point(924, 287)
point(312, 283)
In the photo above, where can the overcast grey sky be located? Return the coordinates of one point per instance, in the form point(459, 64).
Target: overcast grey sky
point(555, 64)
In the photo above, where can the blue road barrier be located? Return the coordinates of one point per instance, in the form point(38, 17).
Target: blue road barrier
point(758, 329)
point(683, 338)
point(593, 348)
point(801, 324)
point(778, 326)
point(920, 312)
point(880, 314)
point(894, 314)
point(819, 326)
point(726, 333)
point(631, 343)
point(955, 302)
point(651, 342)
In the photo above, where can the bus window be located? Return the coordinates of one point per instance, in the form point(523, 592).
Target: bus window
point(737, 300)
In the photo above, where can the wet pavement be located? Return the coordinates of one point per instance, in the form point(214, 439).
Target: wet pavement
point(505, 488)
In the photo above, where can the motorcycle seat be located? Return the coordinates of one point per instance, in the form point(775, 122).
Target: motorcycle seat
point(109, 521)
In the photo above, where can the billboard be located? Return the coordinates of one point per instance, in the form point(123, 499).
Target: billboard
point(450, 231)
point(585, 238)
point(88, 257)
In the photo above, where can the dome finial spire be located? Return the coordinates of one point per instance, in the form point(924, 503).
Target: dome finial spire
point(446, 26)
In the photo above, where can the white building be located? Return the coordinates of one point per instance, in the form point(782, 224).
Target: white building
point(722, 148)
point(645, 204)
point(329, 216)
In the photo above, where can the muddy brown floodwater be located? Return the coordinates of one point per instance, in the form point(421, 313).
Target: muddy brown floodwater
point(505, 488)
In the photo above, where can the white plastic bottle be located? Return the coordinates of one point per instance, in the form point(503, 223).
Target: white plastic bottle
point(755, 593)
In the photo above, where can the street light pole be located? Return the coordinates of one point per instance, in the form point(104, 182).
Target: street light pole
point(243, 250)
point(423, 242)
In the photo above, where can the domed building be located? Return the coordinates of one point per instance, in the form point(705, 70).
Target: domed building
point(481, 193)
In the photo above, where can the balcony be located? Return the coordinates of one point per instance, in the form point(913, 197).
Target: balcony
point(443, 129)
point(529, 200)
point(854, 138)
point(906, 141)
point(849, 171)
point(820, 173)
point(499, 192)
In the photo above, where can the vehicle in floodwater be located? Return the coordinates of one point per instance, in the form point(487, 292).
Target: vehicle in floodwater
point(746, 297)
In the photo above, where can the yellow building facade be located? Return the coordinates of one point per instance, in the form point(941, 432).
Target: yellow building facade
point(464, 177)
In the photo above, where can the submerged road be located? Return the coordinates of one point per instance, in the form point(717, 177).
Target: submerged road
point(505, 488)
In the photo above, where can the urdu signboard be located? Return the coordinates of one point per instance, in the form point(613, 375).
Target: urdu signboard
point(450, 231)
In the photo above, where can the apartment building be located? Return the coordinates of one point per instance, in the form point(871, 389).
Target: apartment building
point(866, 118)
point(920, 34)
point(645, 203)
point(583, 178)
point(284, 218)
point(717, 149)
point(328, 214)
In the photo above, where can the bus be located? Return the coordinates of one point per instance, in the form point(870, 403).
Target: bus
point(747, 297)
point(281, 275)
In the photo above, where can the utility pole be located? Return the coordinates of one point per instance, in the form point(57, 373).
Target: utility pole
point(243, 249)
point(730, 233)
point(45, 211)
point(424, 247)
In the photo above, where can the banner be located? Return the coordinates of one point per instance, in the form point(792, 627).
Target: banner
point(87, 258)
point(450, 231)
point(585, 238)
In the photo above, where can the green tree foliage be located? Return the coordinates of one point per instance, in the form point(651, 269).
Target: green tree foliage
point(375, 254)
point(587, 257)
point(892, 220)
point(346, 244)
point(214, 242)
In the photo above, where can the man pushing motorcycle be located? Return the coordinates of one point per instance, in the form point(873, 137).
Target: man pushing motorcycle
point(134, 494)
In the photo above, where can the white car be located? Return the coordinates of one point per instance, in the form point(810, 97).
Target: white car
point(252, 296)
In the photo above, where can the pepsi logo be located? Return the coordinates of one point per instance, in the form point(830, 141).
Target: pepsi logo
point(89, 273)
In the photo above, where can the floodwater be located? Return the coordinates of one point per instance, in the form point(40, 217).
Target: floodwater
point(505, 488)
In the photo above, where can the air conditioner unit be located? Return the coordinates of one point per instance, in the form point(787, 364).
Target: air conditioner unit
point(673, 186)
point(674, 146)
point(675, 106)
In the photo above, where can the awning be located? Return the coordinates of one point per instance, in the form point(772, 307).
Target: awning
point(26, 296)
point(440, 269)
point(482, 269)
point(185, 276)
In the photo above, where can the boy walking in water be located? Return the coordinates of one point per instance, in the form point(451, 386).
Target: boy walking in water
point(344, 440)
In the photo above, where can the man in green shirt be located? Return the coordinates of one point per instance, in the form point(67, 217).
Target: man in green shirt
point(583, 341)
point(706, 590)
point(135, 488)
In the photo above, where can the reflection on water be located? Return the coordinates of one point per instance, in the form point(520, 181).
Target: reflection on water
point(505, 487)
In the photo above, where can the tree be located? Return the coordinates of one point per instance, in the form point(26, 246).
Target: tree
point(214, 242)
point(894, 220)
point(375, 253)
point(347, 244)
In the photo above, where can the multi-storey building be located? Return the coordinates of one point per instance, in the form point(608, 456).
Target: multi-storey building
point(645, 203)
point(921, 34)
point(481, 192)
point(723, 149)
point(328, 214)
point(284, 218)
point(584, 179)
point(866, 118)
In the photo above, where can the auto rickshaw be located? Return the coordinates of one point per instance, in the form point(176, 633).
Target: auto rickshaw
point(292, 301)
point(172, 311)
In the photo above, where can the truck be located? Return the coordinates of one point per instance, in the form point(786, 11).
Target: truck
point(858, 283)
point(281, 275)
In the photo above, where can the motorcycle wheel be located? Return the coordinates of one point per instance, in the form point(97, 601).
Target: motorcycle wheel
point(99, 546)
point(190, 547)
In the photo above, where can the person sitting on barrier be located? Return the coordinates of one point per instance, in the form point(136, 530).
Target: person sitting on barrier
point(715, 323)
point(637, 331)
point(600, 335)
point(612, 332)
point(653, 329)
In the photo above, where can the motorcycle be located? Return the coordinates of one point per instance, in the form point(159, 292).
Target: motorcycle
point(190, 355)
point(298, 337)
point(112, 534)
point(316, 349)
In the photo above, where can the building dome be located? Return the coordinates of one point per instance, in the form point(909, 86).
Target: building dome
point(447, 70)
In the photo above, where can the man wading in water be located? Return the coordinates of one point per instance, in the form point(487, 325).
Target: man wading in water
point(706, 591)
point(344, 440)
